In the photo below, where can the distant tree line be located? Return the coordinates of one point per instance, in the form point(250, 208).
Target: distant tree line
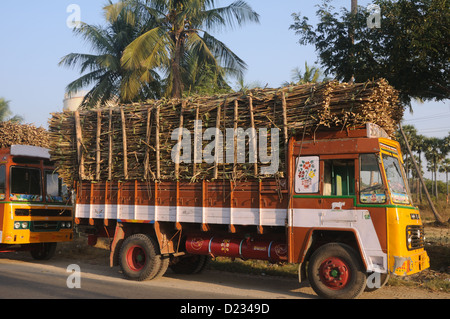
point(434, 150)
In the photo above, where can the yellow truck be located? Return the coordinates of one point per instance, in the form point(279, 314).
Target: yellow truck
point(35, 207)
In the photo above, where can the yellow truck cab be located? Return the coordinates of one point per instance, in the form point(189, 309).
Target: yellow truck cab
point(35, 206)
point(350, 187)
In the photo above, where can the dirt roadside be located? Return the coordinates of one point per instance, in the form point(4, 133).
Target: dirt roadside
point(414, 287)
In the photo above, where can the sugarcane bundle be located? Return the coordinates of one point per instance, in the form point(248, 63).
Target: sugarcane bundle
point(12, 133)
point(139, 141)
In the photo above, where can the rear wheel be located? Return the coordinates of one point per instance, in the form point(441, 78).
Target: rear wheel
point(191, 264)
point(139, 258)
point(43, 251)
point(335, 271)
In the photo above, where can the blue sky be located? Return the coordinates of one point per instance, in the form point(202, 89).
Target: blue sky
point(34, 37)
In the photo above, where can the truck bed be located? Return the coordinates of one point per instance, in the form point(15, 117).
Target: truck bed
point(223, 202)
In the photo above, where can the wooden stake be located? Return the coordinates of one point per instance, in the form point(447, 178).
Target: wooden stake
point(180, 136)
point(110, 146)
point(236, 118)
point(99, 131)
point(216, 149)
point(285, 123)
point(124, 139)
point(158, 159)
point(197, 113)
point(147, 146)
point(80, 152)
point(252, 121)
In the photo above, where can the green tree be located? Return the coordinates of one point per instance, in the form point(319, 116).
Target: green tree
point(105, 74)
point(5, 112)
point(311, 74)
point(180, 29)
point(410, 50)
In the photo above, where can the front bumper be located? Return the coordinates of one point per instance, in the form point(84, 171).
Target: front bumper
point(405, 266)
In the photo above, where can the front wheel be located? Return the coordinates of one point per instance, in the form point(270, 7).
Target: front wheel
point(335, 271)
point(140, 259)
point(43, 251)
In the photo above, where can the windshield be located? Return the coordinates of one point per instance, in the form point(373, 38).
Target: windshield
point(56, 191)
point(25, 184)
point(372, 189)
point(396, 182)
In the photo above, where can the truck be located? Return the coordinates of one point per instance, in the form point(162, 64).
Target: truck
point(305, 174)
point(343, 212)
point(36, 211)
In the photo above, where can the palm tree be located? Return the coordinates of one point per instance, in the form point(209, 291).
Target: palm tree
point(181, 28)
point(108, 79)
point(310, 75)
point(433, 154)
point(445, 168)
point(5, 112)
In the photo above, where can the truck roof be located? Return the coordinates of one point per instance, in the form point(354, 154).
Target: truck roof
point(29, 151)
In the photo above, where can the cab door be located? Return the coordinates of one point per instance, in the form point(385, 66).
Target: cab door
point(338, 182)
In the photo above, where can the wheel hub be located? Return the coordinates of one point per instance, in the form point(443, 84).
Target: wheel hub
point(334, 273)
point(136, 258)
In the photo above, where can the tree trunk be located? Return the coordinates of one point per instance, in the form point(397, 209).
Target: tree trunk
point(435, 180)
point(177, 81)
point(436, 214)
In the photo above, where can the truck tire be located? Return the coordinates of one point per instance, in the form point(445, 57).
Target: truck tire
point(189, 265)
point(139, 258)
point(335, 271)
point(43, 251)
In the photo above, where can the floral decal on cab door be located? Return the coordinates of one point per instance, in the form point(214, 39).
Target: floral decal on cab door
point(307, 175)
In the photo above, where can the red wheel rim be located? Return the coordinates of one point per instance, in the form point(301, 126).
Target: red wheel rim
point(136, 258)
point(334, 273)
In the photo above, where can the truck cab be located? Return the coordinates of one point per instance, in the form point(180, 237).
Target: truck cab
point(35, 206)
point(350, 187)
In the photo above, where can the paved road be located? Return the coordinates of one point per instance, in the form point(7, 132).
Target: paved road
point(21, 277)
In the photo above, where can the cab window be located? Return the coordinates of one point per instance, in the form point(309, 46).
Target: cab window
point(371, 185)
point(339, 177)
point(25, 184)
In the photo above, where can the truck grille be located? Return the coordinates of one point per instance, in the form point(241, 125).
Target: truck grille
point(43, 212)
point(415, 237)
point(44, 226)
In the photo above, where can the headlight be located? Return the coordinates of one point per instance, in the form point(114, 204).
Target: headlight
point(63, 225)
point(68, 224)
point(21, 225)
